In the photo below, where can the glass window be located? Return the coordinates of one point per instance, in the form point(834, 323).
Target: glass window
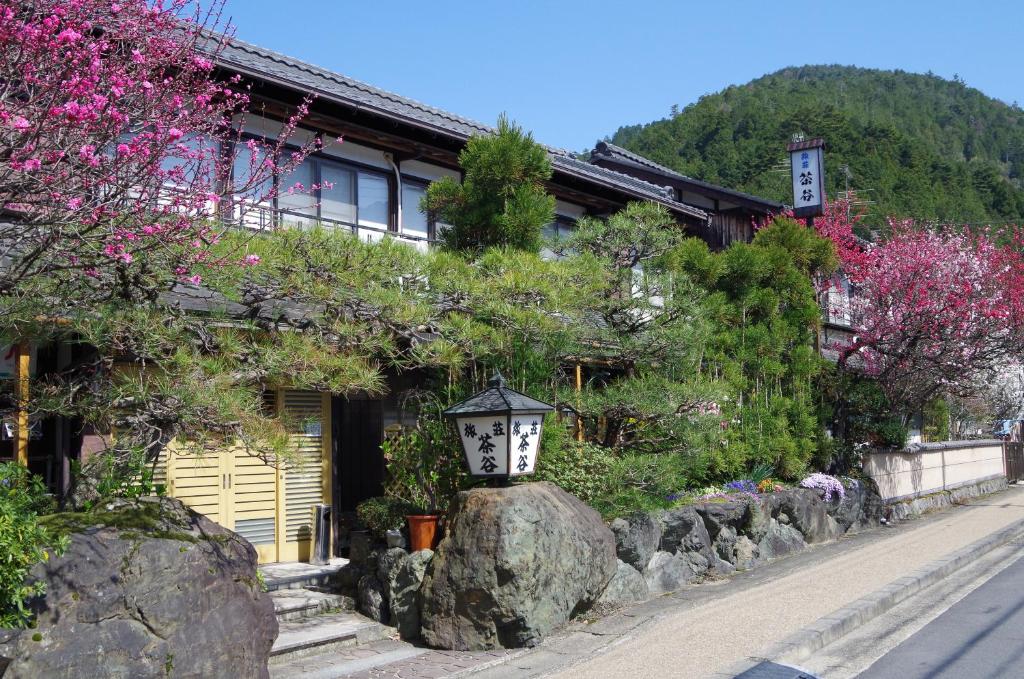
point(244, 168)
point(414, 220)
point(295, 193)
point(337, 193)
point(373, 200)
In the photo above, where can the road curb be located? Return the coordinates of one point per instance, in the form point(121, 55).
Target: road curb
point(841, 622)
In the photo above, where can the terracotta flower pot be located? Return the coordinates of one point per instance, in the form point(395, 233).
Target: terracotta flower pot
point(423, 531)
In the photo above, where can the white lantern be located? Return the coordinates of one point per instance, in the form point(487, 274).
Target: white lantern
point(500, 430)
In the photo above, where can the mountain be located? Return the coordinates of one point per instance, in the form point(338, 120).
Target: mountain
point(918, 145)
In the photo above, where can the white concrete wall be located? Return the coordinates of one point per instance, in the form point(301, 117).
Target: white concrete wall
point(932, 467)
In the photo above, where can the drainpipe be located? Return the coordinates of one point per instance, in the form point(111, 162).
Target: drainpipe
point(398, 193)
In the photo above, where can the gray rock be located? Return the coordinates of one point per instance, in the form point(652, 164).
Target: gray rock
point(404, 603)
point(177, 598)
point(668, 572)
point(371, 600)
point(636, 538)
point(725, 544)
point(389, 562)
point(719, 515)
point(625, 587)
point(360, 548)
point(745, 553)
point(807, 513)
point(780, 540)
point(515, 564)
point(860, 508)
point(683, 532)
point(759, 517)
point(394, 538)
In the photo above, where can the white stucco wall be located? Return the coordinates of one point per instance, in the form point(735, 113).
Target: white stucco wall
point(931, 467)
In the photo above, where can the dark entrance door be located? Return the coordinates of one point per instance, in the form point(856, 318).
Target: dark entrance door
point(358, 459)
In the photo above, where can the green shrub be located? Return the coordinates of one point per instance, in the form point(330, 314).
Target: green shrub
point(381, 514)
point(23, 541)
point(583, 469)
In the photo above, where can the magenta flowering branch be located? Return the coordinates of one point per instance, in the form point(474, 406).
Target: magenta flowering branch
point(936, 309)
point(121, 142)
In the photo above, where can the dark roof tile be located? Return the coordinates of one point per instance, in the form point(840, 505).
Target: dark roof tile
point(621, 155)
point(259, 62)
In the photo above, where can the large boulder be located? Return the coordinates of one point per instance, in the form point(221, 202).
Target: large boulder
point(516, 563)
point(636, 538)
point(146, 588)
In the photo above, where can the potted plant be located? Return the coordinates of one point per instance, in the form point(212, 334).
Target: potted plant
point(423, 470)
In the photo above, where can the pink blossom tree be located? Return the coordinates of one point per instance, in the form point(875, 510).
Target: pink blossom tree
point(937, 309)
point(117, 143)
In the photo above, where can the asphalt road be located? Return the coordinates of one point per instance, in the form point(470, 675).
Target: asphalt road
point(979, 637)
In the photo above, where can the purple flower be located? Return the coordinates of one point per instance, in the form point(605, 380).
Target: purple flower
point(827, 486)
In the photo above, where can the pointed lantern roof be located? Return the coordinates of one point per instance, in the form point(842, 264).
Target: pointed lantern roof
point(498, 398)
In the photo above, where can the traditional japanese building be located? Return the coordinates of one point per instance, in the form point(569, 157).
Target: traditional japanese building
point(733, 215)
point(371, 185)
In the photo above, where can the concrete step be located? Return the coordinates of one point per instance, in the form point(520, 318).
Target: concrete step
point(345, 662)
point(298, 575)
point(324, 633)
point(295, 604)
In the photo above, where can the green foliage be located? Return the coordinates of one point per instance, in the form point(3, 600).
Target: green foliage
point(578, 467)
point(501, 200)
point(424, 464)
point(925, 147)
point(936, 420)
point(861, 417)
point(381, 514)
point(23, 541)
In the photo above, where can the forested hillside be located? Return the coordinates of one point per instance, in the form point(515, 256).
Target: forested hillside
point(925, 147)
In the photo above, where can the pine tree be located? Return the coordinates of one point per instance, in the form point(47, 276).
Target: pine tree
point(501, 200)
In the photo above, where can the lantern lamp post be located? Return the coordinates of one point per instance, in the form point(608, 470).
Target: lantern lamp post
point(500, 430)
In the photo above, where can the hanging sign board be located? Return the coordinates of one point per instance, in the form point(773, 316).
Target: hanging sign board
point(807, 161)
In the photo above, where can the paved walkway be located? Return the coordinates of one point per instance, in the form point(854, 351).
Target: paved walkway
point(708, 639)
point(700, 631)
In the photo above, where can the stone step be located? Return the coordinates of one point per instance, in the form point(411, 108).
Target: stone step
point(345, 662)
point(298, 575)
point(324, 633)
point(295, 604)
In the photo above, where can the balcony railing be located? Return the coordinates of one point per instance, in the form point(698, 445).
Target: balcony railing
point(265, 217)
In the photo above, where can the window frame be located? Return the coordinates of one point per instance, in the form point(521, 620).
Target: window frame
point(319, 158)
point(431, 222)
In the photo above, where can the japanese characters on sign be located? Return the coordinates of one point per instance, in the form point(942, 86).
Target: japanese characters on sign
point(808, 168)
point(493, 443)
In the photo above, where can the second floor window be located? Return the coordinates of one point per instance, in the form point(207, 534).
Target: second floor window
point(325, 191)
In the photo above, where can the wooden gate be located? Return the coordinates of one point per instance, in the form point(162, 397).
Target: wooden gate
point(1013, 455)
point(269, 505)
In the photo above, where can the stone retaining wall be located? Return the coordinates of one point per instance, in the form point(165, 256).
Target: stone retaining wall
point(670, 548)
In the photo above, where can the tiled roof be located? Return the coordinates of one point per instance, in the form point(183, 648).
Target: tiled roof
point(661, 194)
point(617, 153)
point(290, 72)
point(266, 64)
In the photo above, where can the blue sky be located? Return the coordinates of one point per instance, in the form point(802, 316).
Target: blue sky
point(574, 71)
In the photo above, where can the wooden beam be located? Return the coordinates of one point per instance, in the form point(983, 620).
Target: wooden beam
point(22, 365)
